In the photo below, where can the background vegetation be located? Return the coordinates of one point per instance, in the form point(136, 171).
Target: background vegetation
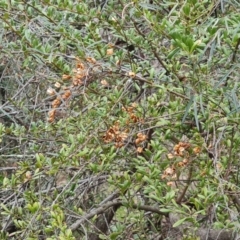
point(119, 120)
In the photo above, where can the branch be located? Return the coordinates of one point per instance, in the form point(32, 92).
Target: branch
point(235, 51)
point(181, 196)
point(94, 212)
point(103, 208)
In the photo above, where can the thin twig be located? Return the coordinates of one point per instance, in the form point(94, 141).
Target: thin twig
point(104, 207)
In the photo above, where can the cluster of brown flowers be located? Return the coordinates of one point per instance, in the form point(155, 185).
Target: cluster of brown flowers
point(170, 174)
point(59, 99)
point(132, 115)
point(79, 74)
point(114, 134)
point(140, 138)
point(181, 150)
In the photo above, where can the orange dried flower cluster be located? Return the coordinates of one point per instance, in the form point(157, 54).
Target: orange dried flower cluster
point(27, 177)
point(132, 115)
point(114, 134)
point(169, 172)
point(109, 51)
point(77, 79)
point(197, 150)
point(56, 103)
point(140, 138)
point(139, 149)
point(183, 163)
point(180, 148)
point(91, 60)
point(132, 74)
point(179, 151)
point(104, 83)
point(51, 115)
point(80, 72)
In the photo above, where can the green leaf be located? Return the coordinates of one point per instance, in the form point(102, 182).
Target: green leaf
point(196, 114)
point(173, 53)
point(179, 222)
point(191, 101)
point(186, 9)
point(165, 210)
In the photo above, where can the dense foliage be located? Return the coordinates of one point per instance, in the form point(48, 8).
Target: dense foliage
point(119, 120)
